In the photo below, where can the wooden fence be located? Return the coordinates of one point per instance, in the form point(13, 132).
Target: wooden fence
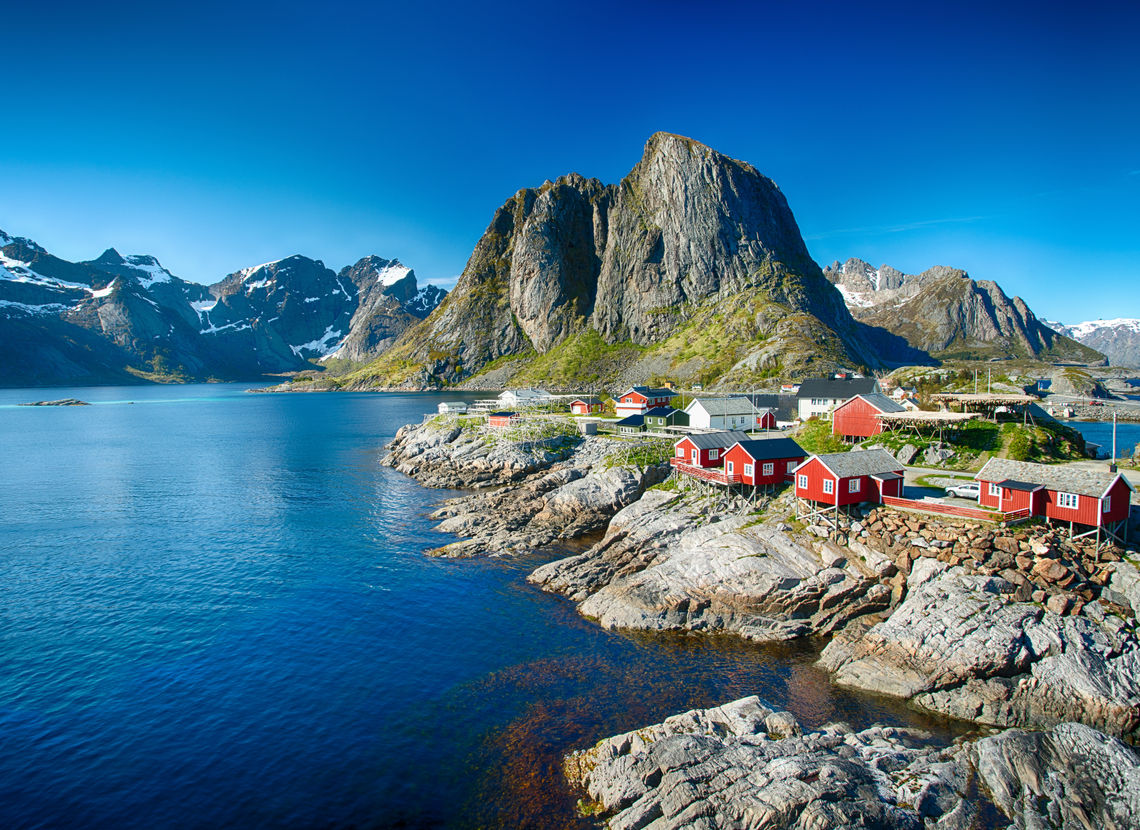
point(923, 506)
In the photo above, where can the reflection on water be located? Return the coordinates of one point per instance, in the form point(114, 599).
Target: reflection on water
point(217, 613)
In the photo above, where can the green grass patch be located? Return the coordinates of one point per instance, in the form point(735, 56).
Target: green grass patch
point(815, 436)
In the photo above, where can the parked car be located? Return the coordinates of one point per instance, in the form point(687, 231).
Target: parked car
point(966, 490)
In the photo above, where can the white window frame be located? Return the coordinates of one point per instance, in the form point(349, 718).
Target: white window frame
point(714, 454)
point(1106, 504)
point(802, 482)
point(1068, 501)
point(769, 468)
point(995, 490)
point(748, 469)
point(680, 452)
point(854, 485)
point(828, 486)
point(792, 466)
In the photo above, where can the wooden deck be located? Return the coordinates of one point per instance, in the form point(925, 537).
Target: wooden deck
point(715, 475)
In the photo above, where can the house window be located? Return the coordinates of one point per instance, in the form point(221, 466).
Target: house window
point(769, 468)
point(728, 468)
point(748, 468)
point(828, 486)
point(1106, 504)
point(792, 466)
point(995, 490)
point(1067, 500)
point(680, 452)
point(714, 455)
point(802, 483)
point(853, 485)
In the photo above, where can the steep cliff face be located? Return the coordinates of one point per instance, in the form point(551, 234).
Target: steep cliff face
point(946, 313)
point(689, 239)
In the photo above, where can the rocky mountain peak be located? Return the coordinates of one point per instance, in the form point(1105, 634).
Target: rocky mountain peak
point(944, 311)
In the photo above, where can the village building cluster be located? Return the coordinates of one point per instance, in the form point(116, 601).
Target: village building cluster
point(736, 441)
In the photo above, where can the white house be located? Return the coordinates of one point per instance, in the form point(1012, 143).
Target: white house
point(524, 397)
point(452, 407)
point(722, 413)
point(817, 397)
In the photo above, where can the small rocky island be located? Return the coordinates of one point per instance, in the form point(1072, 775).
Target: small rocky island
point(60, 402)
point(1021, 630)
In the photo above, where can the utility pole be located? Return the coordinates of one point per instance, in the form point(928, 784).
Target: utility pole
point(1112, 464)
point(975, 381)
point(989, 379)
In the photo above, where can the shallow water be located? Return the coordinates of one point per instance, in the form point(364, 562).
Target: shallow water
point(216, 613)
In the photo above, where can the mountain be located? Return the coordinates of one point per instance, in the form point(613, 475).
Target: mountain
point(124, 318)
point(692, 267)
point(1118, 340)
point(946, 313)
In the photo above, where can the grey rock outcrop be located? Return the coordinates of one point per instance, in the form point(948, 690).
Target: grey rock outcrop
point(743, 765)
point(551, 490)
point(666, 564)
point(959, 644)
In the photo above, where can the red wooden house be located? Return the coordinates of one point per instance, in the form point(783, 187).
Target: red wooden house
point(858, 417)
point(705, 449)
point(1098, 500)
point(637, 399)
point(845, 478)
point(589, 405)
point(763, 462)
point(499, 420)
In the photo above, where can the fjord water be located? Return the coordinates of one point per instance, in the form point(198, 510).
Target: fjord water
point(216, 612)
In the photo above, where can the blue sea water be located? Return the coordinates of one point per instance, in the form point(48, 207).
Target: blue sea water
point(215, 611)
point(1100, 432)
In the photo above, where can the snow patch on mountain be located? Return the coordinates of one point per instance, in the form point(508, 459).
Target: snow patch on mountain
point(392, 274)
point(105, 292)
point(151, 272)
point(324, 346)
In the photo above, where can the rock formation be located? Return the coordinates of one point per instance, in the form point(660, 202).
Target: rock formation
point(691, 245)
point(744, 765)
point(946, 313)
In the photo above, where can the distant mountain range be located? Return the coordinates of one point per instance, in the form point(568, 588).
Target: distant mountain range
point(126, 318)
point(691, 268)
point(944, 312)
point(1118, 340)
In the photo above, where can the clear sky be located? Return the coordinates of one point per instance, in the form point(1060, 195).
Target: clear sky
point(1003, 138)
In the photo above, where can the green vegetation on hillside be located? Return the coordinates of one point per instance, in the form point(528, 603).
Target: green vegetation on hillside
point(583, 359)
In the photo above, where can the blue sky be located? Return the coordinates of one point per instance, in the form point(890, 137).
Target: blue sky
point(1003, 138)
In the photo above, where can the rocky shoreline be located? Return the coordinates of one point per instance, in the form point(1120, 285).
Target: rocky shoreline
point(1010, 628)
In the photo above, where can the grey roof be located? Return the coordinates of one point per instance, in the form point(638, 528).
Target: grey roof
point(588, 399)
point(881, 402)
point(725, 406)
point(1064, 478)
point(760, 399)
point(1014, 484)
point(839, 388)
point(502, 413)
point(860, 463)
point(717, 440)
point(765, 449)
point(632, 421)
